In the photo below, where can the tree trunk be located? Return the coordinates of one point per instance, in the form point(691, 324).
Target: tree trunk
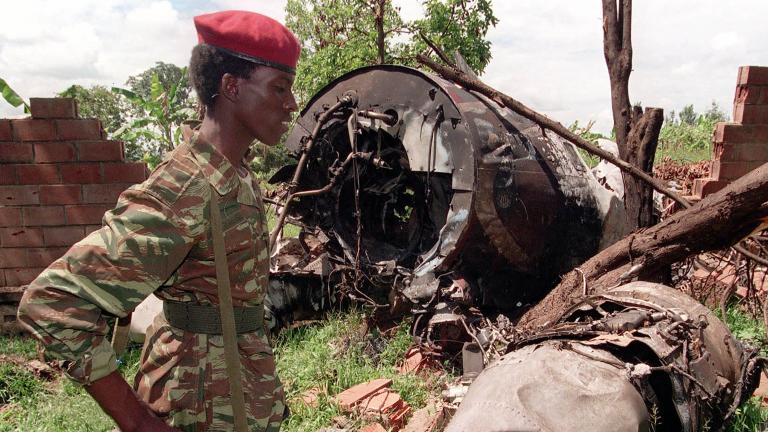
point(640, 151)
point(636, 133)
point(378, 17)
point(716, 222)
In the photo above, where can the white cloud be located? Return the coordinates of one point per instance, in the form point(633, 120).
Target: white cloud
point(548, 54)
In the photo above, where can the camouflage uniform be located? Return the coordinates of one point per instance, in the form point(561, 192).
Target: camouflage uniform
point(158, 239)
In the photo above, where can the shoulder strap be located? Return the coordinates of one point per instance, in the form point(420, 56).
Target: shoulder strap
point(231, 356)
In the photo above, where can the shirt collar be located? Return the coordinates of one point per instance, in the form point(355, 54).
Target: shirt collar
point(216, 168)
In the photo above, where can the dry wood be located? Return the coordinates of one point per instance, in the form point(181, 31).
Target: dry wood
point(716, 222)
point(636, 133)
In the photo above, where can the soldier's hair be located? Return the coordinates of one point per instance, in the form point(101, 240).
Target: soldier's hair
point(206, 67)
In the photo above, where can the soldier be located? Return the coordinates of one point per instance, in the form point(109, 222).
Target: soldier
point(158, 239)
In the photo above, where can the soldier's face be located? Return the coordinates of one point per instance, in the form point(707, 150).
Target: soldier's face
point(265, 103)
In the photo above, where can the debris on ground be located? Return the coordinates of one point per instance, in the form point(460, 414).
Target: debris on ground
point(374, 400)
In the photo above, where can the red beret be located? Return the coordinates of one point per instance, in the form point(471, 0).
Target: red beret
point(250, 36)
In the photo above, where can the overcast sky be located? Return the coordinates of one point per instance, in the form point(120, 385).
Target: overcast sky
point(546, 53)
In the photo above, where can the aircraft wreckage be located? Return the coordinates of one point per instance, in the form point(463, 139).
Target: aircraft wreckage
point(417, 196)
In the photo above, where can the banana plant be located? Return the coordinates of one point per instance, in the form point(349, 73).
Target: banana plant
point(11, 96)
point(160, 115)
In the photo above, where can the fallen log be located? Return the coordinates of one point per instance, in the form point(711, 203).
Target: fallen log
point(716, 222)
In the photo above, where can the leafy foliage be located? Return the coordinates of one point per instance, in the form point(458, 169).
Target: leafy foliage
point(159, 117)
point(11, 96)
point(169, 75)
point(341, 35)
point(688, 136)
point(101, 103)
point(459, 25)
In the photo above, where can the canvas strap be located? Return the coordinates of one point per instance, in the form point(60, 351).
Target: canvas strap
point(231, 356)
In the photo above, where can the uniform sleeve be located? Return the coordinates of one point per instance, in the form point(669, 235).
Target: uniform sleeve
point(112, 270)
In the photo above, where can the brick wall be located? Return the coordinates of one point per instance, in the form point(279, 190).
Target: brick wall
point(742, 145)
point(58, 175)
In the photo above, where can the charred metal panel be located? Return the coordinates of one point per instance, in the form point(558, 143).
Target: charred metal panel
point(638, 342)
point(459, 185)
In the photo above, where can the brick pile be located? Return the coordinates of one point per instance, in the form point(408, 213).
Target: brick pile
point(58, 175)
point(742, 145)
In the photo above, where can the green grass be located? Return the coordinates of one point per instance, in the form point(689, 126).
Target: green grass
point(336, 356)
point(59, 405)
point(332, 356)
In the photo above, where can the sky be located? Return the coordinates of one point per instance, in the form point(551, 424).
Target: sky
point(547, 54)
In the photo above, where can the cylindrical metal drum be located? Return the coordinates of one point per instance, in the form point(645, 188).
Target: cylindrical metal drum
point(459, 184)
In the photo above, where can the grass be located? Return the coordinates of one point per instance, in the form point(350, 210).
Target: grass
point(333, 356)
point(336, 356)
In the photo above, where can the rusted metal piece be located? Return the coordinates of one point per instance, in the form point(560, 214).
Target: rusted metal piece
point(347, 99)
point(640, 356)
point(464, 186)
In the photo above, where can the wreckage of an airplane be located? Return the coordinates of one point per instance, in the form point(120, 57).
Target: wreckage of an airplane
point(415, 195)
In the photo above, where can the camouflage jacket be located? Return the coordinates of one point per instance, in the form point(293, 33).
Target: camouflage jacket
point(158, 239)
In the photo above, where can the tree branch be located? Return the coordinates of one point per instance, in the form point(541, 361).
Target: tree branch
point(716, 222)
point(476, 85)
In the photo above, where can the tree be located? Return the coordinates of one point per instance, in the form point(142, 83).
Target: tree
point(169, 75)
point(341, 35)
point(637, 132)
point(99, 102)
point(158, 119)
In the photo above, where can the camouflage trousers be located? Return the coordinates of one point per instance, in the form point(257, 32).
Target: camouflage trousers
point(182, 376)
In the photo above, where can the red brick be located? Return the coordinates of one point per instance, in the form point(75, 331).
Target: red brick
point(125, 172)
point(732, 170)
point(100, 151)
point(751, 95)
point(8, 174)
point(21, 276)
point(354, 395)
point(89, 214)
point(53, 107)
point(55, 152)
point(103, 193)
point(382, 402)
point(10, 216)
point(373, 427)
point(78, 129)
point(13, 257)
point(750, 114)
point(43, 216)
point(738, 133)
point(21, 237)
point(81, 173)
point(706, 186)
point(755, 75)
point(741, 152)
point(33, 174)
point(19, 195)
point(43, 257)
point(63, 235)
point(33, 130)
point(60, 194)
point(6, 133)
point(16, 152)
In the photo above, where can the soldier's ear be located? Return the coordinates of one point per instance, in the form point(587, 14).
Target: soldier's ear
point(229, 87)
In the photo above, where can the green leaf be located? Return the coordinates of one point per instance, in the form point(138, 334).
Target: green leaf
point(131, 96)
point(11, 96)
point(156, 88)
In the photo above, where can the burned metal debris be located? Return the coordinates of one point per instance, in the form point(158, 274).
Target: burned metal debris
point(641, 356)
point(417, 196)
point(420, 179)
